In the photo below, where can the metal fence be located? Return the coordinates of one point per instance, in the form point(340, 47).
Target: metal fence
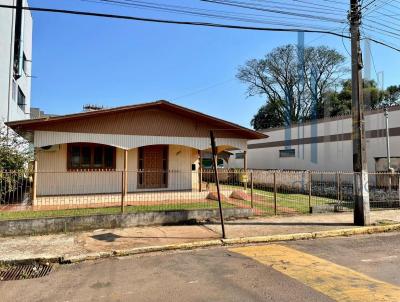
point(26, 194)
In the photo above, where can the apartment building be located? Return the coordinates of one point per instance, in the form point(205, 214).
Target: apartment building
point(15, 61)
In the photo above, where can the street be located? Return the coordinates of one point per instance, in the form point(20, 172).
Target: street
point(370, 263)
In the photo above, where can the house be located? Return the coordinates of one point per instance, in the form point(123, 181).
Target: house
point(324, 145)
point(15, 61)
point(145, 148)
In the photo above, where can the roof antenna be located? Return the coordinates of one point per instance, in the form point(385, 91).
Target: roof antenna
point(91, 107)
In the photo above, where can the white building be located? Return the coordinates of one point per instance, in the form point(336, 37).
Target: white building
point(15, 61)
point(324, 145)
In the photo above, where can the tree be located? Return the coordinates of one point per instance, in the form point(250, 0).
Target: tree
point(266, 117)
point(14, 150)
point(391, 96)
point(339, 103)
point(297, 89)
point(14, 157)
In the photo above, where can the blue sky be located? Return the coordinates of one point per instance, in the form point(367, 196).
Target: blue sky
point(80, 60)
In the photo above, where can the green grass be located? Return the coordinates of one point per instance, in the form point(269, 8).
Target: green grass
point(10, 215)
point(296, 202)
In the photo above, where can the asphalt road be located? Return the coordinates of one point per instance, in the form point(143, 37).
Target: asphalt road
point(220, 274)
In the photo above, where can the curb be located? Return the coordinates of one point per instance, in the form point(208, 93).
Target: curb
point(209, 243)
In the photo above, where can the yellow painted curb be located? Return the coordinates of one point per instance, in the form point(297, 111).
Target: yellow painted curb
point(270, 238)
point(234, 241)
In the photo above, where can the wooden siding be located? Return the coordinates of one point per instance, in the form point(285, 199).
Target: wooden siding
point(149, 122)
point(46, 138)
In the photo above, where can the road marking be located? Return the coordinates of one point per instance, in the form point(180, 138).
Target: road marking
point(337, 282)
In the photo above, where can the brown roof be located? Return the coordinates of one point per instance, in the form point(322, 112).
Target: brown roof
point(115, 120)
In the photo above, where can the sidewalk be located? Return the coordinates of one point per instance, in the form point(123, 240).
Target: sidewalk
point(98, 241)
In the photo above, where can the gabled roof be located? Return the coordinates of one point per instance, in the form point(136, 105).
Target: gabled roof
point(32, 124)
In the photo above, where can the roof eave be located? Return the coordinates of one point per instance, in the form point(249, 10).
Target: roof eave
point(23, 125)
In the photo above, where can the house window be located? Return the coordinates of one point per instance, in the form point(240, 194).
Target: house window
point(90, 157)
point(207, 163)
point(239, 155)
point(287, 153)
point(21, 99)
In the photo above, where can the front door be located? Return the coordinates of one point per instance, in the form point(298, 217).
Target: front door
point(153, 166)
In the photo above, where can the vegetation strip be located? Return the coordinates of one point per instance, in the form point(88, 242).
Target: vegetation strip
point(13, 215)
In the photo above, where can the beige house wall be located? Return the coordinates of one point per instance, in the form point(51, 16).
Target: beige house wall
point(54, 178)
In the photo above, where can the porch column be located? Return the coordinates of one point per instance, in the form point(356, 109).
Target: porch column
point(200, 170)
point(34, 182)
point(245, 168)
point(124, 181)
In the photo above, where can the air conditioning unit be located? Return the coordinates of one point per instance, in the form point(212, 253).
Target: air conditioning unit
point(50, 148)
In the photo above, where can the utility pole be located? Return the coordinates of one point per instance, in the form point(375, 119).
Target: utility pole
point(389, 166)
point(390, 170)
point(214, 161)
point(360, 168)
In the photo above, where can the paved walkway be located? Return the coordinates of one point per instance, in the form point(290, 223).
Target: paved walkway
point(105, 240)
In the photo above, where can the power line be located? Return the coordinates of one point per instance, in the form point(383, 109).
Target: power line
point(191, 23)
point(200, 90)
point(372, 58)
point(263, 8)
point(301, 7)
point(368, 4)
point(377, 6)
point(164, 21)
point(202, 12)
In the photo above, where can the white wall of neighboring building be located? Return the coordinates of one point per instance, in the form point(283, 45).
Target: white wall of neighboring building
point(9, 109)
point(333, 153)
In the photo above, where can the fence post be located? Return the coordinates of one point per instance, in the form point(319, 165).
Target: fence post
point(398, 189)
point(309, 191)
point(34, 182)
point(337, 186)
point(122, 191)
point(275, 207)
point(245, 169)
point(124, 181)
point(251, 188)
point(200, 170)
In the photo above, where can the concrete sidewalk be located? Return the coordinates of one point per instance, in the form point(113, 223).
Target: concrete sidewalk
point(107, 240)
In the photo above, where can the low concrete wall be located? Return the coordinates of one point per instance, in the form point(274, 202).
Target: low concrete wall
point(82, 223)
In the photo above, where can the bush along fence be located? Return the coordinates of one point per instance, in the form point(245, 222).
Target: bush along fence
point(30, 194)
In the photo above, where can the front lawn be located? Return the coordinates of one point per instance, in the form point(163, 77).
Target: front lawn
point(286, 202)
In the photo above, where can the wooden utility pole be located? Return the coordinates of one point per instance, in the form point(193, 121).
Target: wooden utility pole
point(360, 168)
point(214, 161)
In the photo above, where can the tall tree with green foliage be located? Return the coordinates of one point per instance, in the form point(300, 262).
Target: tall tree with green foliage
point(391, 96)
point(266, 117)
point(339, 102)
point(293, 91)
